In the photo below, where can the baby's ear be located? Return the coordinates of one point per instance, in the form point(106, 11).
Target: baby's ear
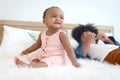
point(44, 21)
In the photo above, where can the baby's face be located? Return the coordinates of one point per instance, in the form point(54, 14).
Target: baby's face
point(54, 18)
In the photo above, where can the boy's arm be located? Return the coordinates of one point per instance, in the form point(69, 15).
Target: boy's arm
point(79, 53)
point(67, 46)
point(107, 39)
point(87, 38)
point(113, 40)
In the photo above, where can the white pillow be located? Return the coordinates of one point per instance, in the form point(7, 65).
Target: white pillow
point(16, 40)
point(73, 42)
point(100, 51)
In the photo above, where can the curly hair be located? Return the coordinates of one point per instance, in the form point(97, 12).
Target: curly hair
point(78, 31)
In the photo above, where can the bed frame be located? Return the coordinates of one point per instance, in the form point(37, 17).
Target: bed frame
point(32, 25)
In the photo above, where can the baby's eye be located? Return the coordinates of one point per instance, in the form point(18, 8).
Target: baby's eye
point(54, 16)
point(61, 17)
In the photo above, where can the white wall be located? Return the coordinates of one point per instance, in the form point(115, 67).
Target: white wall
point(100, 12)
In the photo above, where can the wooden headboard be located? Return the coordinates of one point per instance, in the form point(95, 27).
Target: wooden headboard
point(32, 25)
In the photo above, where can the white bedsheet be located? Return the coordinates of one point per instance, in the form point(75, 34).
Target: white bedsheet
point(89, 70)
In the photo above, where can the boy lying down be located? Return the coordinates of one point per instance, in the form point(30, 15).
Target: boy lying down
point(87, 36)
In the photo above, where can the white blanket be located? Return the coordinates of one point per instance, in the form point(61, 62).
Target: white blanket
point(89, 70)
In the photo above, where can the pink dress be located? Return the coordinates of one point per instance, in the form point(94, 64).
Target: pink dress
point(53, 52)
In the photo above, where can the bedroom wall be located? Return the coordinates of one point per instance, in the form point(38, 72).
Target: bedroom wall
point(100, 12)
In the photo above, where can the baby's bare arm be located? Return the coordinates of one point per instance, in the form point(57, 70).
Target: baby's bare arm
point(33, 47)
point(65, 41)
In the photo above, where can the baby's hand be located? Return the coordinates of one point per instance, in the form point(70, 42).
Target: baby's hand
point(76, 64)
point(24, 52)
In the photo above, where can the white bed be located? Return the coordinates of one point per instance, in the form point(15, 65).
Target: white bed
point(89, 70)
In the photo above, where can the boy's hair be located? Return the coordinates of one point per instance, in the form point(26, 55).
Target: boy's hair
point(44, 13)
point(78, 31)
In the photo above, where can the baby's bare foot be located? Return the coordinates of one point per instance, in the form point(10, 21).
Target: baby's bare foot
point(16, 61)
point(20, 63)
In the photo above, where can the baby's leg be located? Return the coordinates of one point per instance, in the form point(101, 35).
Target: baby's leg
point(35, 64)
point(35, 60)
point(38, 64)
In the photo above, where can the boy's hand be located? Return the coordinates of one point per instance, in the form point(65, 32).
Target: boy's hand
point(88, 37)
point(102, 36)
